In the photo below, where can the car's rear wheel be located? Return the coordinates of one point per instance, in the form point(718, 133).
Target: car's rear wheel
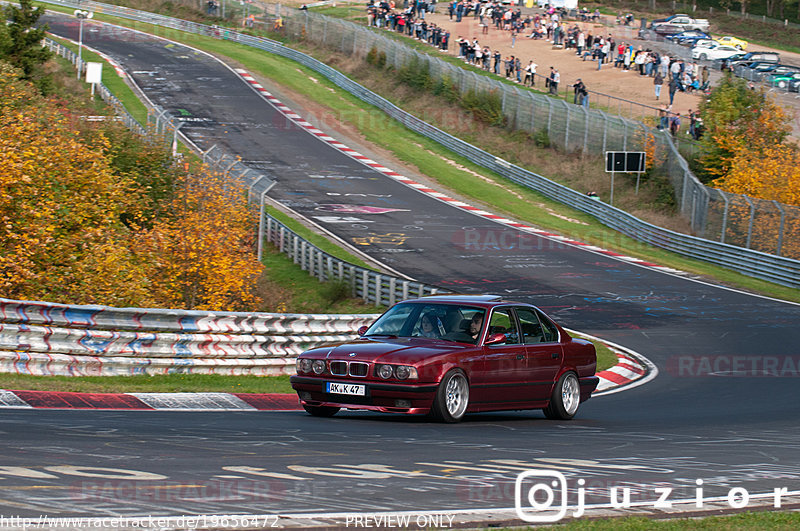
point(703, 57)
point(738, 46)
point(321, 411)
point(452, 397)
point(782, 84)
point(566, 398)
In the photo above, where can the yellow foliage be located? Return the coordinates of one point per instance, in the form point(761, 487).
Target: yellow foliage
point(205, 249)
point(71, 227)
point(772, 173)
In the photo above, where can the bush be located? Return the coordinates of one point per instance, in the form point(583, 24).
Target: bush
point(335, 291)
point(447, 89)
point(541, 138)
point(486, 107)
point(416, 74)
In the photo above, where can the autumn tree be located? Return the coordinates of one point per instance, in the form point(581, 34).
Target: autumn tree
point(84, 220)
point(737, 117)
point(61, 238)
point(203, 251)
point(772, 174)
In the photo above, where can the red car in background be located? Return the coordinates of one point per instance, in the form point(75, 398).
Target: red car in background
point(451, 355)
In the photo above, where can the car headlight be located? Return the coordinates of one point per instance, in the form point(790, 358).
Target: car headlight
point(303, 365)
point(403, 372)
point(385, 371)
point(318, 366)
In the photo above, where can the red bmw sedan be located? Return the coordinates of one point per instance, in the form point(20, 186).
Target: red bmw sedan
point(448, 355)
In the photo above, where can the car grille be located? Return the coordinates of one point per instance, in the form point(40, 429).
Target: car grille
point(358, 368)
point(353, 368)
point(339, 368)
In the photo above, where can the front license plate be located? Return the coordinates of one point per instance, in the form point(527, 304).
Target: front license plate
point(345, 389)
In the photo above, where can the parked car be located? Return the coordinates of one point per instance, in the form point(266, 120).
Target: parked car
point(784, 81)
point(762, 57)
point(668, 29)
point(758, 71)
point(739, 44)
point(448, 356)
point(705, 43)
point(719, 52)
point(685, 22)
point(734, 61)
point(667, 19)
point(688, 37)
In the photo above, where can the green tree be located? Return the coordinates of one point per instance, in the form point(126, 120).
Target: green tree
point(23, 45)
point(738, 117)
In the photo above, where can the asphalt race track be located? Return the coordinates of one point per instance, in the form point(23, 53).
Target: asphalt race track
point(724, 408)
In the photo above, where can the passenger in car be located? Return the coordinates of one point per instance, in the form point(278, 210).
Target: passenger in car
point(427, 327)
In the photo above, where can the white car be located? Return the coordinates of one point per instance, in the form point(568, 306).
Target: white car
point(706, 43)
point(720, 52)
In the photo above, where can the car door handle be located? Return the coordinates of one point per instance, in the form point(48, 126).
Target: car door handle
point(554, 355)
point(520, 356)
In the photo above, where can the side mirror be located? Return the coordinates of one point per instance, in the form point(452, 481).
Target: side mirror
point(495, 339)
point(363, 330)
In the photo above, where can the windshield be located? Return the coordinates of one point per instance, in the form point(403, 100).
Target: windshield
point(449, 322)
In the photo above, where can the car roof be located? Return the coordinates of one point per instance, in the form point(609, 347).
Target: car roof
point(481, 300)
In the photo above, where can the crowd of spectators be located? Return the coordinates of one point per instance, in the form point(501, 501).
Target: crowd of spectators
point(550, 26)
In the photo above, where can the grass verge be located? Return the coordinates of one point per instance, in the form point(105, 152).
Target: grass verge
point(743, 521)
point(162, 383)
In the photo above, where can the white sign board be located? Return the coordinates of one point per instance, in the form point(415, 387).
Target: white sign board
point(94, 72)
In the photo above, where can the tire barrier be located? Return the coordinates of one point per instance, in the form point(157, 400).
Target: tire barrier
point(41, 338)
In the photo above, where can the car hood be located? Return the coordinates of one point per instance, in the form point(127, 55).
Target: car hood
point(396, 350)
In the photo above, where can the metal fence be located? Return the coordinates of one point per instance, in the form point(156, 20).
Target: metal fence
point(571, 127)
point(373, 287)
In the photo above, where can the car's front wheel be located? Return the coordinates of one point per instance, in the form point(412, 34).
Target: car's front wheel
point(566, 398)
point(452, 397)
point(321, 411)
point(703, 57)
point(782, 84)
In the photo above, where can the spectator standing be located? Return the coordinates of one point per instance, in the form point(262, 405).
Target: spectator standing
point(673, 88)
point(554, 82)
point(663, 117)
point(675, 124)
point(658, 81)
point(578, 87)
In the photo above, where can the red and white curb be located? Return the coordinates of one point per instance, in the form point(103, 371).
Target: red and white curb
point(149, 401)
point(299, 121)
point(632, 369)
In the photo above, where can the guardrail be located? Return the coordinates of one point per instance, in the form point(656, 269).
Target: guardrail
point(54, 339)
point(379, 289)
point(693, 196)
